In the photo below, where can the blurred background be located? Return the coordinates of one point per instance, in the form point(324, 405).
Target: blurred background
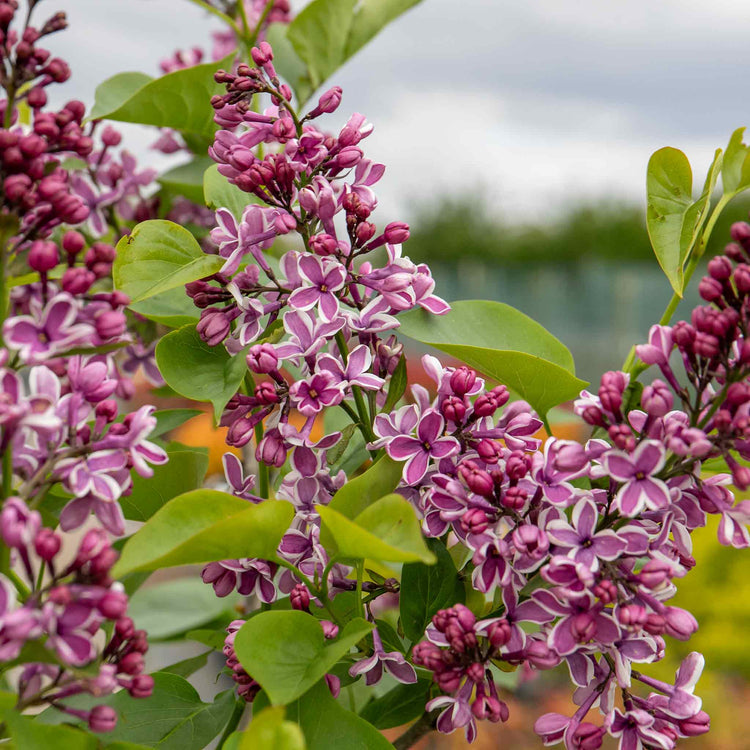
point(516, 138)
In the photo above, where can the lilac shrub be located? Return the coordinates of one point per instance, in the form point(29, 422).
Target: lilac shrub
point(396, 554)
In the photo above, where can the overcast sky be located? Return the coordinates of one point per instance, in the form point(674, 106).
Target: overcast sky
point(536, 103)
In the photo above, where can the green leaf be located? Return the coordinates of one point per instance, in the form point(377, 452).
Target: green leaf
point(371, 17)
point(287, 653)
point(673, 219)
point(170, 419)
point(188, 666)
point(158, 256)
point(203, 526)
point(187, 179)
point(212, 638)
point(220, 193)
point(735, 170)
point(172, 308)
point(199, 371)
point(179, 100)
point(397, 387)
point(319, 35)
point(427, 588)
point(30, 734)
point(358, 493)
point(398, 706)
point(173, 718)
point(503, 344)
point(387, 530)
point(270, 729)
point(111, 94)
point(329, 726)
point(326, 34)
point(184, 471)
point(168, 609)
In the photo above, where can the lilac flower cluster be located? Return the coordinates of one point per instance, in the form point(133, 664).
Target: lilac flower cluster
point(320, 311)
point(576, 545)
point(64, 606)
point(63, 433)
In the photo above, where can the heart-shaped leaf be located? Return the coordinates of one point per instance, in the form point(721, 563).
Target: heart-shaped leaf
point(379, 480)
point(203, 526)
point(287, 653)
point(387, 530)
point(199, 371)
point(503, 344)
point(158, 256)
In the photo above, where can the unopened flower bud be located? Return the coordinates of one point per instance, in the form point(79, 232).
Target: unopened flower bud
point(102, 719)
point(262, 358)
point(47, 544)
point(299, 597)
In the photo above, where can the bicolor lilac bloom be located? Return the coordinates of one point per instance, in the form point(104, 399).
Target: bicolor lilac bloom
point(356, 371)
point(373, 318)
point(247, 575)
point(95, 201)
point(636, 470)
point(140, 355)
point(109, 513)
point(71, 630)
point(457, 712)
point(678, 700)
point(321, 279)
point(393, 662)
point(635, 728)
point(426, 446)
point(239, 484)
point(317, 392)
point(49, 331)
point(253, 234)
point(580, 538)
point(399, 422)
point(492, 567)
point(90, 378)
point(143, 452)
point(307, 334)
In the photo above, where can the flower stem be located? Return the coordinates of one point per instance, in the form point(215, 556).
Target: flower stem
point(424, 725)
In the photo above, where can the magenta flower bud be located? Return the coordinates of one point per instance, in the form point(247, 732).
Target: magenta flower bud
point(632, 616)
point(588, 736)
point(300, 597)
point(329, 102)
point(271, 450)
point(60, 595)
point(683, 335)
point(102, 719)
point(213, 327)
point(349, 157)
point(428, 655)
point(593, 415)
point(485, 405)
point(611, 399)
point(286, 92)
point(73, 242)
point(141, 686)
point(518, 465)
point(77, 280)
point(93, 543)
point(365, 232)
point(539, 655)
point(657, 398)
point(679, 623)
point(396, 232)
point(262, 54)
point(478, 480)
point(734, 252)
point(262, 358)
point(655, 624)
point(654, 573)
point(330, 629)
point(36, 97)
point(464, 616)
point(710, 289)
point(323, 244)
point(531, 540)
point(606, 591)
point(113, 605)
point(16, 186)
point(570, 456)
point(453, 408)
point(475, 672)
point(499, 633)
point(741, 477)
point(449, 680)
point(110, 324)
point(284, 223)
point(490, 451)
point(43, 256)
point(583, 627)
point(462, 380)
point(742, 278)
point(124, 628)
point(111, 137)
point(18, 525)
point(47, 544)
point(131, 663)
point(740, 232)
point(266, 393)
point(474, 521)
point(720, 268)
point(700, 723)
point(706, 345)
point(107, 410)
